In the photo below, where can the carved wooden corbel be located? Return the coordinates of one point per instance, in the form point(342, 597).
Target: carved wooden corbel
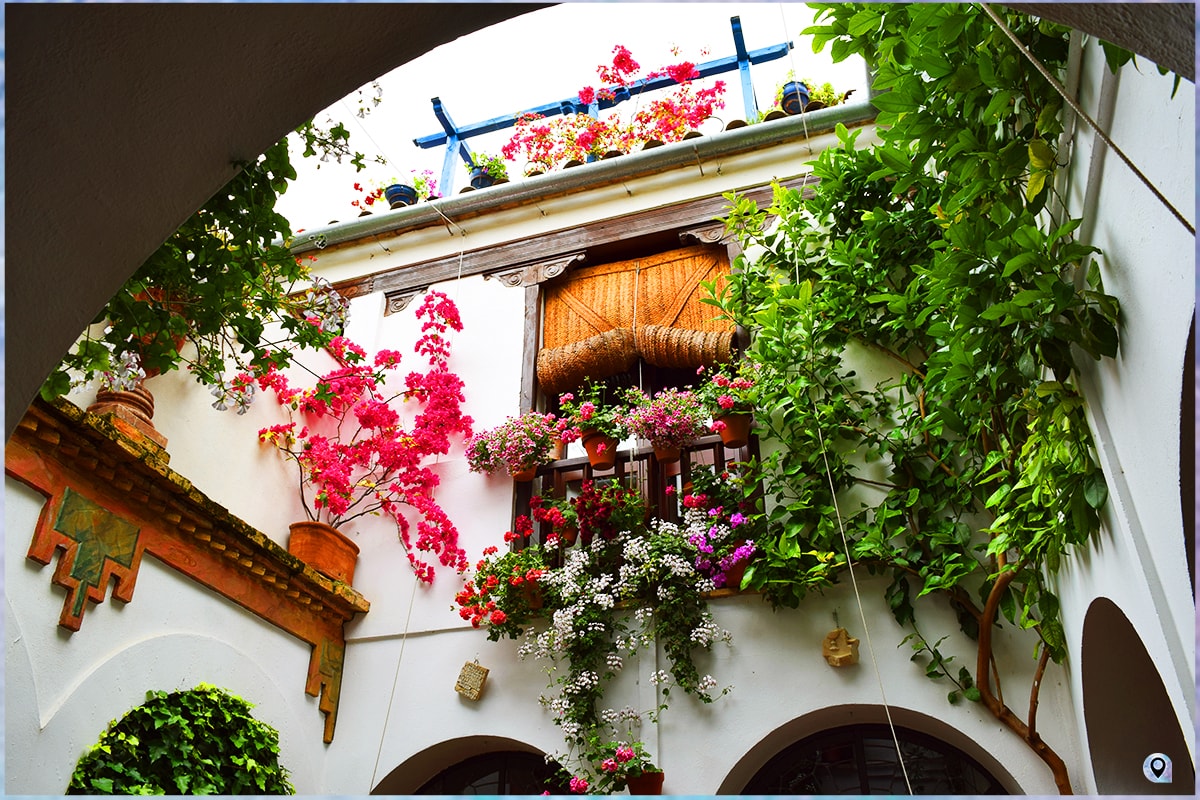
point(537, 272)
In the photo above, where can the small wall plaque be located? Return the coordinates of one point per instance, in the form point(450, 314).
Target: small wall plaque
point(471, 680)
point(840, 648)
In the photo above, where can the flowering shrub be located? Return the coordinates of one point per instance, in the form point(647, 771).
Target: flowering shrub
point(354, 452)
point(719, 520)
point(591, 414)
point(607, 508)
point(729, 389)
point(667, 118)
point(672, 418)
point(558, 514)
point(654, 572)
point(518, 443)
point(504, 593)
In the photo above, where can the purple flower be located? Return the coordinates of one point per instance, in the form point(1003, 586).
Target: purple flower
point(737, 519)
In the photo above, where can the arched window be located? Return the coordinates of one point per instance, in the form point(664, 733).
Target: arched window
point(861, 759)
point(503, 772)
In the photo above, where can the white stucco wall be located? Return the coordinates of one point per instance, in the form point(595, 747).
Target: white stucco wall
point(62, 688)
point(1148, 263)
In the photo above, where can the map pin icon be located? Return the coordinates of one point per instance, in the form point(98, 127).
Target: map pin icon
point(1157, 768)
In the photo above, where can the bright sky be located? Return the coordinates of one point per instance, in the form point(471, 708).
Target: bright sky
point(542, 57)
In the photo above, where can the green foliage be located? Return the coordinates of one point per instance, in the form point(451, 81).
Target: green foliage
point(201, 741)
point(934, 253)
point(224, 281)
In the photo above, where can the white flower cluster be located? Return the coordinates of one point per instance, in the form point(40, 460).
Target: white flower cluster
point(614, 662)
point(241, 399)
point(706, 683)
point(708, 632)
point(678, 565)
point(660, 678)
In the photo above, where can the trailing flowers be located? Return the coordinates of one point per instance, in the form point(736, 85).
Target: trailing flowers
point(355, 454)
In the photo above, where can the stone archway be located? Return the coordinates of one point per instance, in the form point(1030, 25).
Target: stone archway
point(830, 718)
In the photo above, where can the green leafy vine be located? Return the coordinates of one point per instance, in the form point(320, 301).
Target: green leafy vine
point(960, 462)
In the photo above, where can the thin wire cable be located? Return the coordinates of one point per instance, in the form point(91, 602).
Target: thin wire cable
point(792, 63)
point(395, 680)
point(359, 121)
point(1079, 110)
point(861, 614)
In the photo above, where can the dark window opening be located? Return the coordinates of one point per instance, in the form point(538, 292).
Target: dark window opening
point(861, 760)
point(500, 773)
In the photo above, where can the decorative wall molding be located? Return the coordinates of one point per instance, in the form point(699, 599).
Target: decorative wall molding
point(537, 272)
point(110, 499)
point(395, 302)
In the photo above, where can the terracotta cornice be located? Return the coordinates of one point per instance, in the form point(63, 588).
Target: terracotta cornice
point(111, 497)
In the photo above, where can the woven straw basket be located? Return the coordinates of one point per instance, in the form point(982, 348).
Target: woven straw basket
point(562, 368)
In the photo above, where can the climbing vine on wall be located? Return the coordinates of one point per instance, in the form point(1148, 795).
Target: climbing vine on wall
point(935, 250)
point(200, 741)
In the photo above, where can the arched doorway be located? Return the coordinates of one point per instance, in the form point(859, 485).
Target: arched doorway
point(473, 765)
point(862, 759)
point(1128, 714)
point(503, 772)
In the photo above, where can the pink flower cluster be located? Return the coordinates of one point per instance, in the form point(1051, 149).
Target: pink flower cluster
point(355, 452)
point(672, 418)
point(518, 443)
point(668, 118)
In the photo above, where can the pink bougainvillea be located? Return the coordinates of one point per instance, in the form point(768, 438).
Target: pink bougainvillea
point(357, 456)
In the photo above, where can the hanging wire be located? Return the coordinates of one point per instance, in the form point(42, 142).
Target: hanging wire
point(1058, 87)
point(792, 63)
point(854, 582)
point(395, 679)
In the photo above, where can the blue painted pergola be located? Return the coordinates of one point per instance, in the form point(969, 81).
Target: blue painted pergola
point(455, 137)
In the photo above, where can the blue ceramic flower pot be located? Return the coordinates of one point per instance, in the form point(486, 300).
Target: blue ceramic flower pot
point(481, 179)
point(795, 97)
point(398, 195)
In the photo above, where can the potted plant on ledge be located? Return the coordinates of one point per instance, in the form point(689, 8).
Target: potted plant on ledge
point(486, 170)
point(670, 420)
point(599, 424)
point(730, 395)
point(522, 444)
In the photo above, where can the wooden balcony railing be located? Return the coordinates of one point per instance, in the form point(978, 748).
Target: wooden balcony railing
point(636, 467)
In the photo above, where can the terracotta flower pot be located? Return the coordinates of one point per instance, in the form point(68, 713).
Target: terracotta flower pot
point(646, 783)
point(324, 548)
point(666, 455)
point(524, 475)
point(736, 430)
point(736, 571)
point(601, 450)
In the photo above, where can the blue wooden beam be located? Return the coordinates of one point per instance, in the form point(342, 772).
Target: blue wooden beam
point(743, 59)
point(572, 104)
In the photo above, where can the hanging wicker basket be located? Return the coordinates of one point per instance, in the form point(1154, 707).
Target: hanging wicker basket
point(684, 349)
point(566, 367)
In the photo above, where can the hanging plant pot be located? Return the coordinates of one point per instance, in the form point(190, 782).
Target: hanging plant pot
point(795, 97)
point(666, 455)
point(574, 162)
point(646, 783)
point(735, 431)
point(524, 475)
point(324, 548)
point(480, 179)
point(398, 195)
point(601, 450)
point(737, 570)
